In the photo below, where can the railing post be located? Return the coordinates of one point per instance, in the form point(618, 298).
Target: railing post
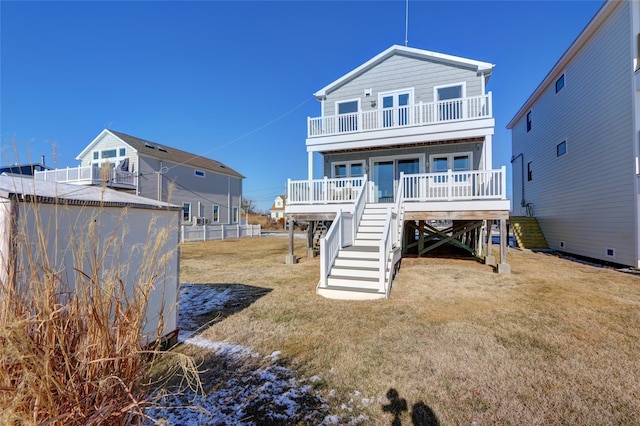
point(490, 96)
point(204, 232)
point(503, 171)
point(222, 232)
point(449, 185)
point(325, 192)
point(308, 126)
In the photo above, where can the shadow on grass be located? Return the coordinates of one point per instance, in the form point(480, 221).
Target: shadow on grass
point(206, 304)
point(421, 413)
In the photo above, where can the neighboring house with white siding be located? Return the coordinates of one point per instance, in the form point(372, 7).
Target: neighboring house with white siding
point(277, 209)
point(405, 141)
point(209, 191)
point(575, 143)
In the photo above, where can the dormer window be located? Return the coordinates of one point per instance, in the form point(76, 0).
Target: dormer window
point(199, 173)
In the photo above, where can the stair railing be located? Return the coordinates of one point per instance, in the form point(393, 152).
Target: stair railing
point(329, 247)
point(385, 247)
point(358, 209)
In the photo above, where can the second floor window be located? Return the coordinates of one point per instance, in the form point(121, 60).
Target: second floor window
point(529, 121)
point(560, 83)
point(348, 123)
point(530, 171)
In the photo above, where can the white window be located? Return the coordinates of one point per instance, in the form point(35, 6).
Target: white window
point(348, 112)
point(458, 162)
point(348, 169)
point(235, 215)
point(199, 173)
point(216, 214)
point(450, 101)
point(186, 212)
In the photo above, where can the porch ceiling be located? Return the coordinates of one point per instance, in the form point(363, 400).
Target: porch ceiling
point(409, 145)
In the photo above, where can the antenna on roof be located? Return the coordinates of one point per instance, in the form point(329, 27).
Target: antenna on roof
point(406, 24)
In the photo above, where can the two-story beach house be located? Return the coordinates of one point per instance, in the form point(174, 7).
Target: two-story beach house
point(406, 147)
point(576, 143)
point(208, 191)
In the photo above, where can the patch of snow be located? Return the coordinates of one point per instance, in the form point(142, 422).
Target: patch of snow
point(260, 394)
point(199, 299)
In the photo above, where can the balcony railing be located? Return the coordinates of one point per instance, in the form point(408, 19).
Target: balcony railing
point(445, 186)
point(88, 175)
point(324, 191)
point(452, 186)
point(404, 116)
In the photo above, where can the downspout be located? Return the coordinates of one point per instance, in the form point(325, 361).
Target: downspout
point(229, 208)
point(160, 182)
point(522, 202)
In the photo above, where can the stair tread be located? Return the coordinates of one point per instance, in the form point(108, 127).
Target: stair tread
point(361, 248)
point(347, 278)
point(353, 289)
point(356, 268)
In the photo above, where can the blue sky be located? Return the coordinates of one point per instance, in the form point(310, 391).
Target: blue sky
point(234, 81)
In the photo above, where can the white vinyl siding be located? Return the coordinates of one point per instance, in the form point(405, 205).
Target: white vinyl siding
point(588, 199)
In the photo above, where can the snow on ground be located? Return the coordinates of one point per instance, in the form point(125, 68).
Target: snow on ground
point(251, 389)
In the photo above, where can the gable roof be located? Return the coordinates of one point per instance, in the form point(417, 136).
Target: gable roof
point(599, 18)
point(481, 67)
point(166, 153)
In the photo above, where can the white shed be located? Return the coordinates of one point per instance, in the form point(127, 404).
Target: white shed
point(72, 230)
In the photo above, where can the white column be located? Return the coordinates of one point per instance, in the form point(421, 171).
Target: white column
point(488, 152)
point(310, 165)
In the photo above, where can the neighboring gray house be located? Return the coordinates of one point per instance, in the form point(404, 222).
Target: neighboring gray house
point(405, 140)
point(209, 192)
point(575, 142)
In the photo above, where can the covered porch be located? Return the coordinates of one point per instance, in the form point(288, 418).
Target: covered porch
point(471, 200)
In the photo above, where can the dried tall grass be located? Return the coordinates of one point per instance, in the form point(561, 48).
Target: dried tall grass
point(71, 340)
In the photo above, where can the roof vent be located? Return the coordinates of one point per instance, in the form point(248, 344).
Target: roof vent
point(148, 145)
point(161, 149)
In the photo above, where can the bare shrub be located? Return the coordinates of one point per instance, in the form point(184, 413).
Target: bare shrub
point(73, 317)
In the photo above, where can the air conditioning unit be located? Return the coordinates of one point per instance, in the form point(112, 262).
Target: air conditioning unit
point(206, 220)
point(198, 221)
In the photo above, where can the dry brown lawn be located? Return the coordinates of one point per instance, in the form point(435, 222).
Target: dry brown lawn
point(555, 342)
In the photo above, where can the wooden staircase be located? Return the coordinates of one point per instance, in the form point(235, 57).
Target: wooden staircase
point(355, 273)
point(527, 232)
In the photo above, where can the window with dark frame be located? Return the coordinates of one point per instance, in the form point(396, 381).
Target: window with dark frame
point(199, 173)
point(530, 170)
point(529, 121)
point(561, 148)
point(560, 83)
point(186, 212)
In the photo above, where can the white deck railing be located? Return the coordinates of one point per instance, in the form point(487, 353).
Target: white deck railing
point(87, 175)
point(324, 191)
point(451, 186)
point(411, 115)
point(445, 186)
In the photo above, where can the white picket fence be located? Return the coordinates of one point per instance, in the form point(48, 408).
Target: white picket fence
point(189, 233)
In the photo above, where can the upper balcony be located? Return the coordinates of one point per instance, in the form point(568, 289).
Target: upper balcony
point(410, 116)
point(90, 175)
